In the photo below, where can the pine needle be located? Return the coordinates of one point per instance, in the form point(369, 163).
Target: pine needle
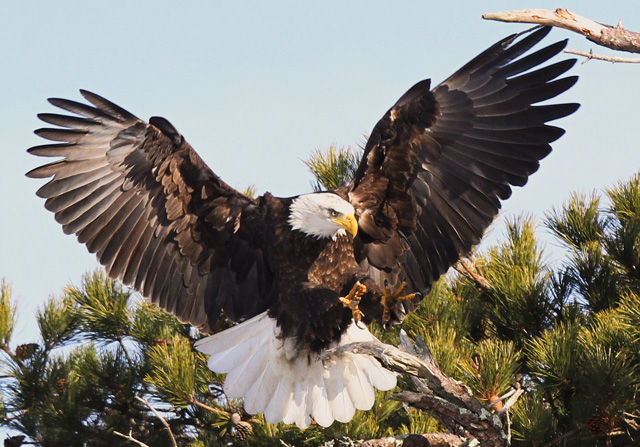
point(333, 167)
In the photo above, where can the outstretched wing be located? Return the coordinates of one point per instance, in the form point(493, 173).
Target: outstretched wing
point(438, 163)
point(157, 217)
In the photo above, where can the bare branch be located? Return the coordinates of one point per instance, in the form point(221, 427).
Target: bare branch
point(126, 352)
point(614, 37)
point(468, 268)
point(513, 394)
point(512, 400)
point(162, 420)
point(501, 398)
point(131, 438)
point(425, 440)
point(197, 403)
point(448, 400)
point(591, 55)
point(567, 435)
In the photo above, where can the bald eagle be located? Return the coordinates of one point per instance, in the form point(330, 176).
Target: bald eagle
point(303, 274)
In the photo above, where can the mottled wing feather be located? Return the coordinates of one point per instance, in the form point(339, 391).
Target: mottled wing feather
point(155, 215)
point(440, 161)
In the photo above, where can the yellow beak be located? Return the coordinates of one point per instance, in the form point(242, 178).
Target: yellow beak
point(349, 223)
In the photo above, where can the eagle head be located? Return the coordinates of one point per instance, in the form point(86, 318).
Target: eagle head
point(322, 215)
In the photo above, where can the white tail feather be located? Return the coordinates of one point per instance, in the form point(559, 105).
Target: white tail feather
point(275, 379)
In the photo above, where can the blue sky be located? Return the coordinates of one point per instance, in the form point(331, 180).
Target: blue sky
point(255, 87)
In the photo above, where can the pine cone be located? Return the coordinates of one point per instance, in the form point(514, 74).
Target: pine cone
point(26, 351)
point(241, 429)
point(599, 424)
point(62, 385)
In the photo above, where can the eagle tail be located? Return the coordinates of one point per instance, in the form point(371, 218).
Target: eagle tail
point(275, 378)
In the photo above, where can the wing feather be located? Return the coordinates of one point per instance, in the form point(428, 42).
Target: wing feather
point(440, 161)
point(155, 215)
point(126, 252)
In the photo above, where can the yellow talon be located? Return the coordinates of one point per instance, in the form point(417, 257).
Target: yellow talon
point(390, 299)
point(352, 300)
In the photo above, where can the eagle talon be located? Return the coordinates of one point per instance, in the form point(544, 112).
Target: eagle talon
point(389, 300)
point(352, 300)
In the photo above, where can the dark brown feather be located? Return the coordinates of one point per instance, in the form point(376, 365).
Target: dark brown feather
point(155, 215)
point(438, 163)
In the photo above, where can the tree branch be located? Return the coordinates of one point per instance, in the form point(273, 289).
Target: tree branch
point(591, 55)
point(197, 403)
point(426, 440)
point(126, 352)
point(131, 438)
point(567, 435)
point(162, 420)
point(448, 400)
point(513, 397)
point(614, 37)
point(468, 268)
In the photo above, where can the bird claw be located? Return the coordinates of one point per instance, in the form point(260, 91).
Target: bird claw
point(390, 299)
point(352, 300)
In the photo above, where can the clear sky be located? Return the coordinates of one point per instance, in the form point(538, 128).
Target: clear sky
point(256, 86)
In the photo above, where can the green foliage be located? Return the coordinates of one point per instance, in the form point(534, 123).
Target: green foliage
point(440, 321)
point(595, 277)
point(629, 311)
point(568, 334)
point(386, 418)
point(103, 307)
point(490, 368)
point(605, 244)
point(172, 367)
point(520, 280)
point(625, 200)
point(59, 321)
point(421, 422)
point(333, 167)
point(579, 221)
point(608, 372)
point(272, 435)
point(116, 351)
point(250, 191)
point(7, 313)
point(553, 356)
point(623, 244)
point(533, 421)
point(152, 326)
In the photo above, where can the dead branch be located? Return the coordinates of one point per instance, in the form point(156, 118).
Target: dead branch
point(448, 400)
point(162, 420)
point(131, 438)
point(567, 435)
point(591, 55)
point(197, 403)
point(468, 268)
point(512, 400)
point(614, 37)
point(426, 440)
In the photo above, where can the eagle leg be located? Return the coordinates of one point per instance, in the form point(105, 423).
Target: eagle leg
point(390, 299)
point(352, 300)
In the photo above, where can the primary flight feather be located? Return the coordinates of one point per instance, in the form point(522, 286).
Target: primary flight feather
point(301, 273)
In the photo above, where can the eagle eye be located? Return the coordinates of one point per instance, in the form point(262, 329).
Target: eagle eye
point(334, 213)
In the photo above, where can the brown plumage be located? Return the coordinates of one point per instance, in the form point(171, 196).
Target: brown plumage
point(431, 180)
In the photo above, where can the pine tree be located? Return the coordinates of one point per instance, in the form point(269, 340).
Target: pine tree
point(111, 369)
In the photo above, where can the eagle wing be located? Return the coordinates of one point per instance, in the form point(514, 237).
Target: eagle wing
point(156, 216)
point(438, 163)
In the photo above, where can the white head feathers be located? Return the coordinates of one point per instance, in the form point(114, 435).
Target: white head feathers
point(322, 215)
